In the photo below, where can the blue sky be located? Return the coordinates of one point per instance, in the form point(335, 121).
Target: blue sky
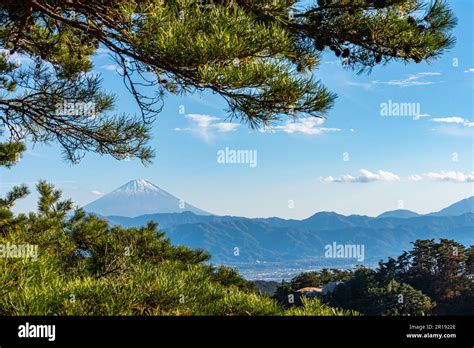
point(356, 162)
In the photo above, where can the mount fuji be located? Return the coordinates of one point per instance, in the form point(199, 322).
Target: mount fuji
point(139, 197)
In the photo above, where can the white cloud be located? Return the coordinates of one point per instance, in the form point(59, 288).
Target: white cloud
point(111, 67)
point(205, 126)
point(308, 126)
point(201, 120)
point(225, 126)
point(415, 178)
point(96, 193)
point(454, 120)
point(417, 117)
point(446, 176)
point(363, 85)
point(333, 62)
point(365, 176)
point(412, 80)
point(114, 68)
point(429, 73)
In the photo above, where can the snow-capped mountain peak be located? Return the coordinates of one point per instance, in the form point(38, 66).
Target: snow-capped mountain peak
point(140, 197)
point(141, 186)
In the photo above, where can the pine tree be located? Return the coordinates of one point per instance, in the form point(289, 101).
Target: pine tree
point(255, 54)
point(9, 155)
point(84, 266)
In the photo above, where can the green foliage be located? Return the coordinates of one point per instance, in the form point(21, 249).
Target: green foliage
point(432, 278)
point(360, 290)
point(318, 278)
point(398, 299)
point(16, 193)
point(230, 277)
point(317, 307)
point(282, 292)
point(266, 287)
point(355, 292)
point(84, 266)
point(470, 260)
point(364, 293)
point(440, 270)
point(257, 55)
point(10, 153)
point(309, 279)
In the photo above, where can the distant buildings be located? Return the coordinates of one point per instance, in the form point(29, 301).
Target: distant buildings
point(309, 292)
point(313, 292)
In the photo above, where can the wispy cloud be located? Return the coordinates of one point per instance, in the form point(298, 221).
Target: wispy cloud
point(201, 120)
point(224, 127)
point(363, 85)
point(97, 193)
point(365, 176)
point(333, 62)
point(453, 120)
point(112, 67)
point(419, 79)
point(444, 176)
point(205, 126)
point(453, 126)
point(308, 126)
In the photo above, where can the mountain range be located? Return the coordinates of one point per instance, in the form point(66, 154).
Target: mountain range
point(269, 244)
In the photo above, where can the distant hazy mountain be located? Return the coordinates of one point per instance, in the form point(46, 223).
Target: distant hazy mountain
point(330, 220)
point(458, 208)
point(302, 240)
point(294, 244)
point(139, 197)
point(166, 220)
point(400, 213)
